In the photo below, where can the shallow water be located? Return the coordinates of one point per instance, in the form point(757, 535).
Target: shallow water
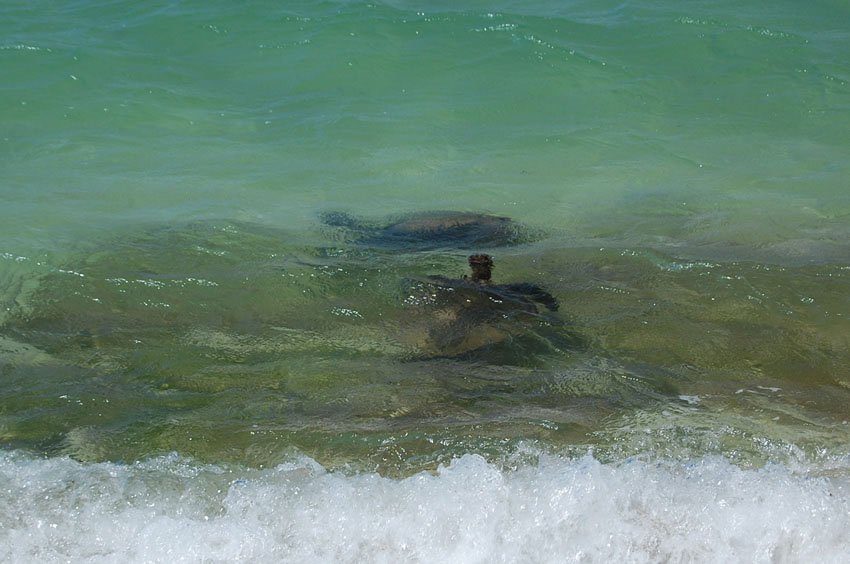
point(220, 342)
point(185, 346)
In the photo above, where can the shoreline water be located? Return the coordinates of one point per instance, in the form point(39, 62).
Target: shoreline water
point(558, 509)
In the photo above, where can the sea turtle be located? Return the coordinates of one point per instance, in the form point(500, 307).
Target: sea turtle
point(239, 294)
point(472, 318)
point(433, 230)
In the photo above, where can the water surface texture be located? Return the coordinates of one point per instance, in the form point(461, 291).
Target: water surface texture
point(232, 330)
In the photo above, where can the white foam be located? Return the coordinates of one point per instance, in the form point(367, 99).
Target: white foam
point(559, 510)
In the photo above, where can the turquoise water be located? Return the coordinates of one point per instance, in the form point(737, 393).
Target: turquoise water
point(194, 367)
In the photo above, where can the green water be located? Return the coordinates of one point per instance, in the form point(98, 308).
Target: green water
point(221, 342)
point(167, 286)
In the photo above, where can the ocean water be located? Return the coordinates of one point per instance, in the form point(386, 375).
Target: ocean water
point(195, 366)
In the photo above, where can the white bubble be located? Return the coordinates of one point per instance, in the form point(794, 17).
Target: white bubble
point(172, 509)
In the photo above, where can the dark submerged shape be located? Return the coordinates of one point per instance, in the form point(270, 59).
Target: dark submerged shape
point(470, 318)
point(433, 230)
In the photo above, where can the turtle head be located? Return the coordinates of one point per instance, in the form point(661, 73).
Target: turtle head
point(482, 266)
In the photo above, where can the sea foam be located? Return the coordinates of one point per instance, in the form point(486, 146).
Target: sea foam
point(171, 509)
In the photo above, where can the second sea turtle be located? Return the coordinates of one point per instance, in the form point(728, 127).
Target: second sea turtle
point(472, 318)
point(432, 230)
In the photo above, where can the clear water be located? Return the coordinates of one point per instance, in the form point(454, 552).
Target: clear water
point(194, 368)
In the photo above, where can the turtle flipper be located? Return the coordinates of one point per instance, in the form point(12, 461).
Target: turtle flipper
point(531, 292)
